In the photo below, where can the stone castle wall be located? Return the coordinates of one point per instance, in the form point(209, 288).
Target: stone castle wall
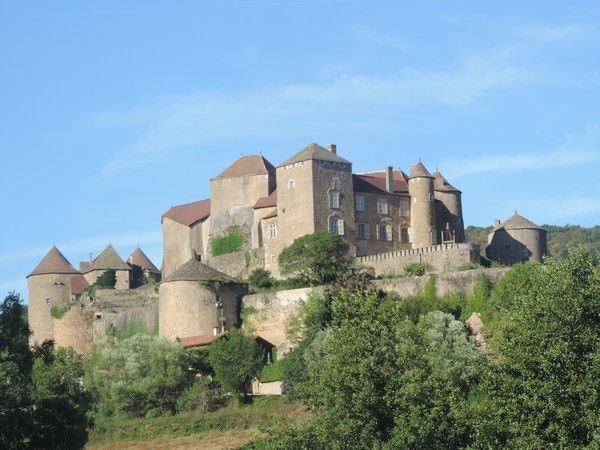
point(443, 258)
point(75, 329)
point(239, 265)
point(46, 291)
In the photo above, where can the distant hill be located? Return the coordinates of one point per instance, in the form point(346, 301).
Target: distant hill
point(559, 238)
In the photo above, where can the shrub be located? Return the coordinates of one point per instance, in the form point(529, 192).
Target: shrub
point(230, 242)
point(417, 269)
point(58, 311)
point(468, 266)
point(261, 279)
point(317, 258)
point(204, 395)
point(107, 280)
point(271, 372)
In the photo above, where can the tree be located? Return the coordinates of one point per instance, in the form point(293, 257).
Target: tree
point(236, 360)
point(317, 258)
point(107, 280)
point(544, 391)
point(137, 376)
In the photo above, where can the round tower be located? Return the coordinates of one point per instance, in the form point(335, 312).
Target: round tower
point(450, 211)
point(516, 240)
point(422, 217)
point(49, 286)
point(190, 302)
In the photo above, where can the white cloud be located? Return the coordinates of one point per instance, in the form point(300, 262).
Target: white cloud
point(577, 150)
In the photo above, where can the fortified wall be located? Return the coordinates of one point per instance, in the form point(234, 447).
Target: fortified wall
point(239, 265)
point(443, 258)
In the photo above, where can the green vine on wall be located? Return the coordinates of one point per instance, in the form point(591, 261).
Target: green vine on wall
point(232, 241)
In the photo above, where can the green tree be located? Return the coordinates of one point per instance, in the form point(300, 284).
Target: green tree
point(137, 376)
point(261, 279)
point(544, 391)
point(317, 258)
point(107, 280)
point(236, 360)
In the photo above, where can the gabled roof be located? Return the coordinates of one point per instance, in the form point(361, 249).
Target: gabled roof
point(314, 151)
point(374, 182)
point(270, 215)
point(247, 165)
point(441, 184)
point(516, 222)
point(189, 213)
point(200, 340)
point(268, 201)
point(419, 170)
point(108, 259)
point(139, 258)
point(194, 270)
point(54, 262)
point(78, 284)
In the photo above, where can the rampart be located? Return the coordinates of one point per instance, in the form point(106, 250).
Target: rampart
point(240, 264)
point(443, 258)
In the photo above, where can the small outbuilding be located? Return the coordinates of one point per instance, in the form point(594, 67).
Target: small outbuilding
point(516, 240)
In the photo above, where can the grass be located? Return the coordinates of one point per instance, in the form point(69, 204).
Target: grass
point(264, 411)
point(271, 372)
point(229, 242)
point(58, 311)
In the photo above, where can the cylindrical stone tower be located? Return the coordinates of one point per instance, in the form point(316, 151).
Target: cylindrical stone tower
point(187, 308)
point(450, 197)
point(49, 285)
point(422, 215)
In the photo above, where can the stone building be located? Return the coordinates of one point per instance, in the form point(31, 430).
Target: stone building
point(142, 269)
point(197, 300)
point(109, 259)
point(313, 190)
point(516, 240)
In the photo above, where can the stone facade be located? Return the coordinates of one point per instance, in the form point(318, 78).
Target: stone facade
point(316, 190)
point(46, 291)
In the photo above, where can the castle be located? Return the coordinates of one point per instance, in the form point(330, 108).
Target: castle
point(389, 218)
point(315, 189)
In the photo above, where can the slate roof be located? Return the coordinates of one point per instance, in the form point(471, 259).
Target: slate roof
point(78, 284)
point(247, 165)
point(194, 270)
point(441, 184)
point(189, 213)
point(419, 170)
point(139, 258)
point(516, 222)
point(265, 202)
point(108, 259)
point(374, 182)
point(314, 151)
point(54, 262)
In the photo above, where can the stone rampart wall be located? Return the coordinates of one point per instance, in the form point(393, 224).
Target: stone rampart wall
point(443, 258)
point(240, 264)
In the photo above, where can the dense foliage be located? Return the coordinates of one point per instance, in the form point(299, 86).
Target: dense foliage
point(42, 404)
point(317, 258)
point(232, 241)
point(142, 375)
point(236, 360)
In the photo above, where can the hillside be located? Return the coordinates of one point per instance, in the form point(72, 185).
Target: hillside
point(560, 238)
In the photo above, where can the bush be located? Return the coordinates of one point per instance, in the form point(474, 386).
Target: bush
point(468, 266)
point(230, 242)
point(261, 279)
point(317, 258)
point(58, 311)
point(417, 269)
point(204, 395)
point(271, 372)
point(136, 376)
point(107, 280)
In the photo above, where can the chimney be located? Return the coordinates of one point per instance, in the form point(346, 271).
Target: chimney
point(332, 148)
point(389, 179)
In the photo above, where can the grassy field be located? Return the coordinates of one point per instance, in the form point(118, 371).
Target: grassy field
point(228, 427)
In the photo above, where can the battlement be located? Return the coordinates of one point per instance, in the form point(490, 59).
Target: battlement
point(443, 258)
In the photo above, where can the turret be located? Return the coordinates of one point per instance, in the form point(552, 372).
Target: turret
point(448, 212)
point(422, 224)
point(49, 285)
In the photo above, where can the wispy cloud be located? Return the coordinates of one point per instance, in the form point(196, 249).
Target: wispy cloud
point(199, 118)
point(577, 150)
point(82, 245)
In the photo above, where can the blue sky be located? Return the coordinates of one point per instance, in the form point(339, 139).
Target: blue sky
point(113, 111)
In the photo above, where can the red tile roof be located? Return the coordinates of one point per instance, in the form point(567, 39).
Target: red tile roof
point(247, 165)
point(269, 200)
point(108, 259)
point(374, 182)
point(78, 284)
point(54, 262)
point(189, 213)
point(200, 340)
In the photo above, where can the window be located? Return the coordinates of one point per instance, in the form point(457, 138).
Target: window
point(334, 199)
point(384, 232)
point(404, 211)
point(272, 231)
point(336, 225)
point(430, 197)
point(382, 206)
point(336, 184)
point(404, 235)
point(291, 184)
point(48, 301)
point(360, 203)
point(363, 231)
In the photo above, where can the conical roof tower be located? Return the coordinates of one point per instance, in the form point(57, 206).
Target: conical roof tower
point(54, 263)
